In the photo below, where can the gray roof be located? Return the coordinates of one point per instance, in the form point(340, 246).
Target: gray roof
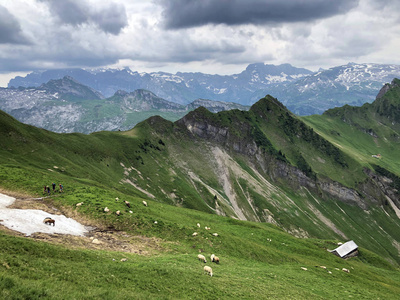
point(346, 248)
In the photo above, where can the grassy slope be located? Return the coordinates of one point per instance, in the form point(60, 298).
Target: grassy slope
point(257, 261)
point(251, 265)
point(364, 131)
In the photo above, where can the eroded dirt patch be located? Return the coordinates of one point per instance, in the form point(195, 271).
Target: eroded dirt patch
point(98, 236)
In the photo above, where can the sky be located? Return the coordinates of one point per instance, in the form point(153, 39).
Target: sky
point(209, 36)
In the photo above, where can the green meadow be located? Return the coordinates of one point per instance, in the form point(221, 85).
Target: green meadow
point(258, 260)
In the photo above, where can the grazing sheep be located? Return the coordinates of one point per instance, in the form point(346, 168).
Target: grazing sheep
point(207, 228)
point(127, 203)
point(202, 258)
point(106, 209)
point(198, 225)
point(214, 259)
point(215, 234)
point(49, 221)
point(79, 204)
point(305, 269)
point(116, 199)
point(208, 270)
point(118, 213)
point(144, 203)
point(194, 234)
point(346, 270)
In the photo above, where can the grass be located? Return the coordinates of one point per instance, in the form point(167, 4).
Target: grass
point(251, 267)
point(258, 260)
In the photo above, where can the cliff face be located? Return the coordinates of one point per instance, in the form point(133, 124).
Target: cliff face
point(236, 137)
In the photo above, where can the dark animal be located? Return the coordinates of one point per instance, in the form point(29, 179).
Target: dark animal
point(127, 204)
point(49, 221)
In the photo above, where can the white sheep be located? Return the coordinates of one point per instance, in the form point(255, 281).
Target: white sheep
point(116, 199)
point(207, 228)
point(118, 213)
point(194, 234)
point(215, 234)
point(202, 258)
point(144, 203)
point(214, 258)
point(106, 209)
point(79, 204)
point(208, 270)
point(198, 225)
point(346, 270)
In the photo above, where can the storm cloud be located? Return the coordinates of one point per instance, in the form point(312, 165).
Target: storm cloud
point(10, 29)
point(209, 36)
point(193, 13)
point(110, 18)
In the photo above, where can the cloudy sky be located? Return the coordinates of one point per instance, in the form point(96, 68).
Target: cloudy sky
point(209, 36)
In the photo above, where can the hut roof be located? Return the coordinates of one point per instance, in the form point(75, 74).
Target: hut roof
point(346, 248)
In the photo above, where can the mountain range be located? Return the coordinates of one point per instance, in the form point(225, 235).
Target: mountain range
point(65, 105)
point(302, 91)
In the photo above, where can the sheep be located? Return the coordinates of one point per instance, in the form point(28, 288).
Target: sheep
point(79, 204)
point(118, 213)
point(215, 234)
point(116, 199)
point(106, 209)
point(208, 270)
point(49, 221)
point(198, 225)
point(127, 203)
point(144, 203)
point(194, 234)
point(202, 258)
point(346, 270)
point(207, 228)
point(214, 258)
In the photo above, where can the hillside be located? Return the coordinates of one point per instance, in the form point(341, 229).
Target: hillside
point(252, 176)
point(263, 165)
point(369, 133)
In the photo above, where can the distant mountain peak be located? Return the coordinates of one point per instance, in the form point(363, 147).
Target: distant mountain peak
point(70, 89)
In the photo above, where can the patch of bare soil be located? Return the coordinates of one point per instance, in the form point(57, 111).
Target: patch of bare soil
point(104, 240)
point(98, 237)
